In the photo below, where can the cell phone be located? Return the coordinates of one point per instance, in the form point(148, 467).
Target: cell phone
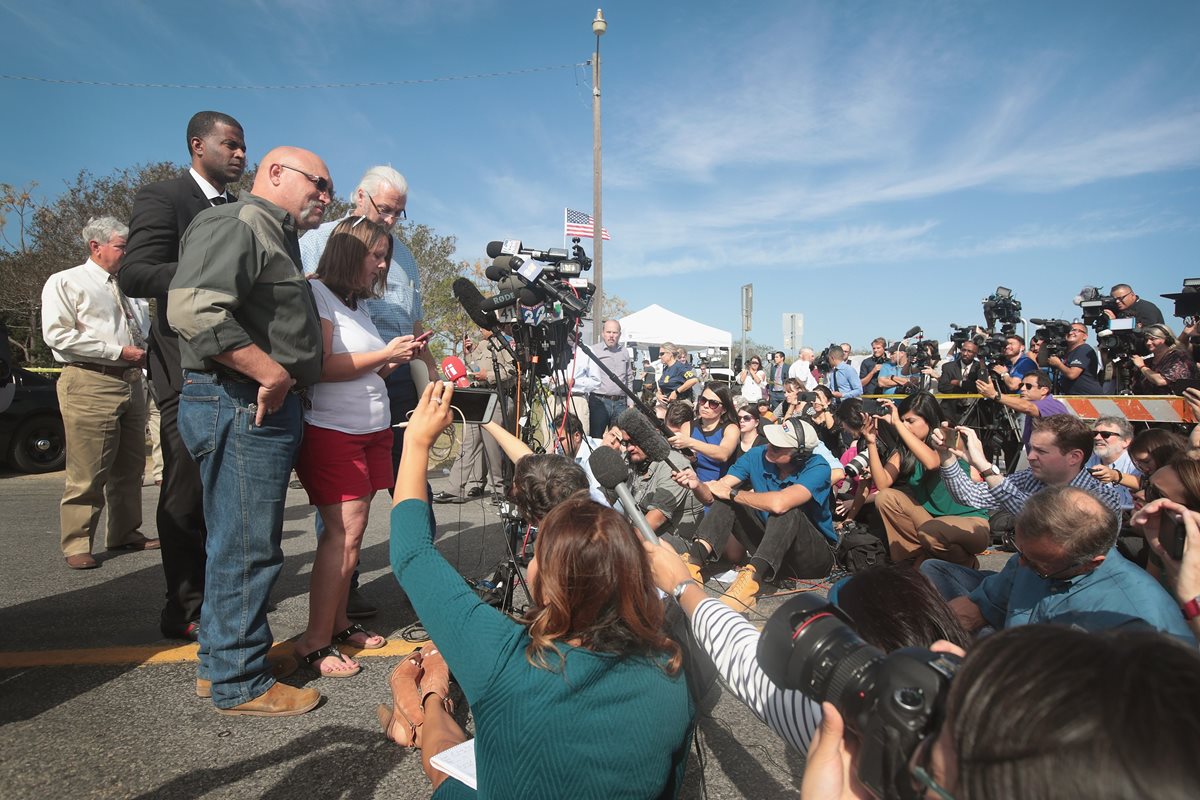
point(1179, 387)
point(424, 337)
point(1172, 534)
point(476, 405)
point(952, 437)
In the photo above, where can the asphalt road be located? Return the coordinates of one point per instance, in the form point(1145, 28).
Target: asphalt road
point(94, 704)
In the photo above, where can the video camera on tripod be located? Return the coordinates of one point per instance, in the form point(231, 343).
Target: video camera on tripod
point(1116, 339)
point(1003, 309)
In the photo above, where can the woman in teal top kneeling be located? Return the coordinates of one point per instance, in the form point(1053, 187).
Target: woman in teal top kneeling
point(922, 520)
point(583, 697)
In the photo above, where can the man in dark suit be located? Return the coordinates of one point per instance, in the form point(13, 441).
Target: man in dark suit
point(161, 213)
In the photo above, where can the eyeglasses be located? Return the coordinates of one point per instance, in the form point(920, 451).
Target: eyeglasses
point(745, 418)
point(625, 442)
point(322, 184)
point(384, 211)
point(1011, 541)
point(711, 401)
point(918, 765)
point(1122, 297)
point(1029, 385)
point(1105, 435)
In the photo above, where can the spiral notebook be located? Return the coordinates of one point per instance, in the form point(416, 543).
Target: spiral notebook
point(458, 762)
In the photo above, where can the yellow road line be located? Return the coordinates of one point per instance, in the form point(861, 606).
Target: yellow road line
point(159, 654)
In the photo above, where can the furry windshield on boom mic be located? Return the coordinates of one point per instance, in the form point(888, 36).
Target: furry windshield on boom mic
point(471, 299)
point(608, 467)
point(642, 433)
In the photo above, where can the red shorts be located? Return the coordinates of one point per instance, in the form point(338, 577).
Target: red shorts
point(335, 467)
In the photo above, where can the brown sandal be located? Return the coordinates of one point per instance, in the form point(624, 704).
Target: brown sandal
point(435, 679)
point(401, 721)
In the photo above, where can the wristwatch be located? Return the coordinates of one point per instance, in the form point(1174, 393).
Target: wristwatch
point(679, 589)
point(733, 493)
point(989, 471)
point(1191, 609)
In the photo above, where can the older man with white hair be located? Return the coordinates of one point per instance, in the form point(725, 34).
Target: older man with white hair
point(801, 369)
point(98, 335)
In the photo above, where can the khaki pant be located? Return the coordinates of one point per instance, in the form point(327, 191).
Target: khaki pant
point(915, 534)
point(104, 418)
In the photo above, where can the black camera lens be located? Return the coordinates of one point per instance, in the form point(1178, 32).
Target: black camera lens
point(826, 660)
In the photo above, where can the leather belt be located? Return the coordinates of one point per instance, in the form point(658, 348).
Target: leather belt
point(103, 369)
point(610, 396)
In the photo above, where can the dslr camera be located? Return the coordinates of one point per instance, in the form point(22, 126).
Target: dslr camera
point(889, 701)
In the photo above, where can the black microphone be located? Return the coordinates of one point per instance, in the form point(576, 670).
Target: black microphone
point(913, 331)
point(611, 472)
point(496, 272)
point(497, 248)
point(499, 300)
point(471, 299)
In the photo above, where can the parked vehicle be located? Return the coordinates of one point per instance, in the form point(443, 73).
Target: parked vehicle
point(31, 427)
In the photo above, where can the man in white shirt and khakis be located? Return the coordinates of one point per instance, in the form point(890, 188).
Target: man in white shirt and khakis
point(99, 336)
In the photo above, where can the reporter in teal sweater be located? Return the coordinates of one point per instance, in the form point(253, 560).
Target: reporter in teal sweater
point(584, 697)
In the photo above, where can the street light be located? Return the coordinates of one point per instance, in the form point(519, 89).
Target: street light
point(599, 26)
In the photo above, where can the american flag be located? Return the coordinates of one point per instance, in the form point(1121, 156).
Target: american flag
point(580, 224)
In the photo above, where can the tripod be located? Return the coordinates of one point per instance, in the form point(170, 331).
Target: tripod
point(998, 422)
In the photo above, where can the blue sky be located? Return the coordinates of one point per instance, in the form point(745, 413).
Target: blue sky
point(873, 165)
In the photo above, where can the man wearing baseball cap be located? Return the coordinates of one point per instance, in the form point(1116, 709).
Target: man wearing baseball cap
point(775, 500)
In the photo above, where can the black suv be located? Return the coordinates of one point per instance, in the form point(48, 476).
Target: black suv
point(31, 427)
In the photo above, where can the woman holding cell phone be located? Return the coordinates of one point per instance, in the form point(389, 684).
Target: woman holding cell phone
point(346, 454)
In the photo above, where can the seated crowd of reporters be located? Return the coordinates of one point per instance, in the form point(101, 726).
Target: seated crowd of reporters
point(1080, 670)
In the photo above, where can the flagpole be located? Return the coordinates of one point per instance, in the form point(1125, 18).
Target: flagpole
point(599, 26)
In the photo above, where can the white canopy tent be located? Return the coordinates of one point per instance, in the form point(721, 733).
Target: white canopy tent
point(654, 325)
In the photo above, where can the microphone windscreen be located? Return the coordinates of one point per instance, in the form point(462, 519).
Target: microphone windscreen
point(527, 296)
point(643, 433)
point(471, 299)
point(496, 272)
point(913, 331)
point(453, 368)
point(494, 249)
point(608, 467)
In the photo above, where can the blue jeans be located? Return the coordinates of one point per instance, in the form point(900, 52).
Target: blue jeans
point(952, 580)
point(603, 412)
point(244, 470)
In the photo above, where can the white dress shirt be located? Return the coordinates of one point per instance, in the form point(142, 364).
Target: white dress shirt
point(82, 320)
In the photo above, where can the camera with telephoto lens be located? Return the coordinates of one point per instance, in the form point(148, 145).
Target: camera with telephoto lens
point(859, 465)
point(889, 701)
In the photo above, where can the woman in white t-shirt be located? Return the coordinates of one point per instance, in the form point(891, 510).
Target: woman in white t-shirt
point(346, 454)
point(753, 379)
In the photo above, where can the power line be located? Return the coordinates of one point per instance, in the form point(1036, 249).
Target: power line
point(289, 87)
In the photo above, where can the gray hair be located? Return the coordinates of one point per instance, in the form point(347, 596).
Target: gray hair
point(807, 351)
point(102, 229)
point(1120, 423)
point(377, 177)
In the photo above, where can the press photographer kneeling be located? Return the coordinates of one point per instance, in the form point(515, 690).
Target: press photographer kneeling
point(562, 697)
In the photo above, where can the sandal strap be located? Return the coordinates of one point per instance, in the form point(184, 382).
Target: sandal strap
point(345, 635)
point(447, 705)
point(317, 655)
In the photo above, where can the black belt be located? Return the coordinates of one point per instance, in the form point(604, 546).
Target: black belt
point(610, 396)
point(113, 371)
point(564, 393)
point(233, 376)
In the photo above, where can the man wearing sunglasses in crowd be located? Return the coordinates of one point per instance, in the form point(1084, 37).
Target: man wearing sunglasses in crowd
point(382, 196)
point(1034, 401)
point(1065, 564)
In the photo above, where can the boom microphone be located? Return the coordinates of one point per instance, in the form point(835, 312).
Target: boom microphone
point(471, 299)
point(913, 331)
point(500, 300)
point(643, 434)
point(611, 471)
